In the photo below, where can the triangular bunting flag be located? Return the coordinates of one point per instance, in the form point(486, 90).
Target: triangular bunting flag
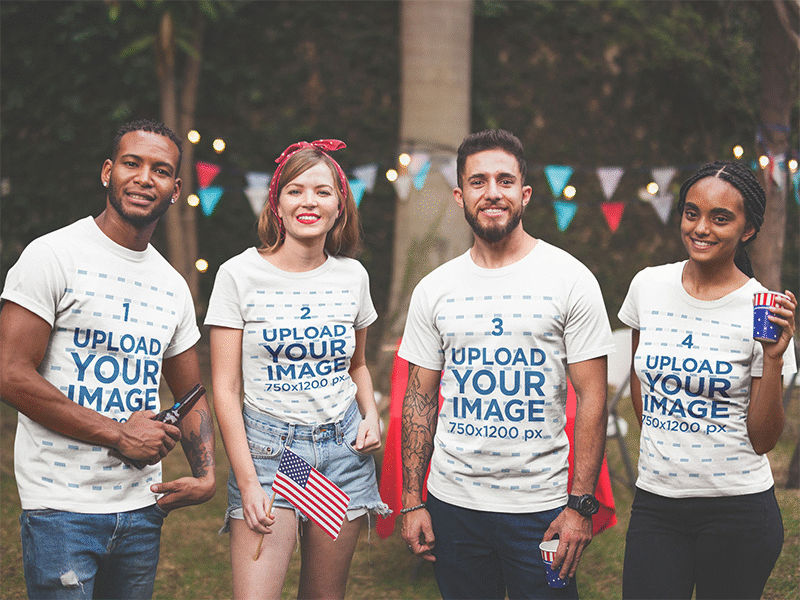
point(662, 204)
point(257, 197)
point(663, 177)
point(422, 175)
point(796, 180)
point(206, 172)
point(209, 197)
point(367, 174)
point(609, 178)
point(358, 187)
point(557, 177)
point(402, 186)
point(777, 167)
point(418, 160)
point(448, 171)
point(613, 213)
point(257, 190)
point(258, 180)
point(564, 213)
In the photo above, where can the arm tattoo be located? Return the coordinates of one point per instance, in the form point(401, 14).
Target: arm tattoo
point(420, 410)
point(198, 444)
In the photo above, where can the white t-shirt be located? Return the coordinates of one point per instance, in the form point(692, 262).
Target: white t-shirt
point(115, 314)
point(695, 362)
point(298, 333)
point(503, 338)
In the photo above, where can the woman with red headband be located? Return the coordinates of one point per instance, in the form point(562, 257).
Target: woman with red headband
point(288, 333)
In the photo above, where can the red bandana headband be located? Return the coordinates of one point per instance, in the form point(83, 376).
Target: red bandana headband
point(323, 146)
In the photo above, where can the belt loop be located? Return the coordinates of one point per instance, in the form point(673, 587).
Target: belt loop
point(290, 435)
point(339, 433)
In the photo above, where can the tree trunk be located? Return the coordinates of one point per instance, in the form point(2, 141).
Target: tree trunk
point(777, 55)
point(180, 220)
point(436, 43)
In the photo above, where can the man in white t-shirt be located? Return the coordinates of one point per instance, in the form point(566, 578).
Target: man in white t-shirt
point(92, 316)
point(497, 328)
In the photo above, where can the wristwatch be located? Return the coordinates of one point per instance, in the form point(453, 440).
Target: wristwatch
point(587, 505)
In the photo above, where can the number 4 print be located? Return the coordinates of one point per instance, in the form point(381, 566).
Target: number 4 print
point(687, 341)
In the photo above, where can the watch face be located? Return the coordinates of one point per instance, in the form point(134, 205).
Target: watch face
point(589, 505)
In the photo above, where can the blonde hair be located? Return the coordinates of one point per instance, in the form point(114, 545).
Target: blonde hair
point(344, 238)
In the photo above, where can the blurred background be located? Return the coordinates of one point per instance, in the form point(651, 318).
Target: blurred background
point(616, 102)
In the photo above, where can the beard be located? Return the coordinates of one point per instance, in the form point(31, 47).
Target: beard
point(135, 219)
point(495, 233)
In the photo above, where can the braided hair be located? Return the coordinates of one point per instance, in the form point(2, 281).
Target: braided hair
point(746, 183)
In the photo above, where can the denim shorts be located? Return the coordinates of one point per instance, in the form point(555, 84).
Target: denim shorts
point(328, 448)
point(72, 556)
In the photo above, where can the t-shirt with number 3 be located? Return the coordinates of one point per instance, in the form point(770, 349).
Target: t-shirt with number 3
point(503, 338)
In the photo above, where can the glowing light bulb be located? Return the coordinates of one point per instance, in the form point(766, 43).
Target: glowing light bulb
point(405, 159)
point(570, 191)
point(193, 200)
point(763, 161)
point(652, 188)
point(218, 145)
point(792, 165)
point(738, 151)
point(193, 136)
point(391, 175)
point(201, 265)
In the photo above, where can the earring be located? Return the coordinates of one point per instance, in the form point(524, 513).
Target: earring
point(105, 184)
point(173, 200)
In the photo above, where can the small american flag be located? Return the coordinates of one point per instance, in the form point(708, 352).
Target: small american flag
point(311, 492)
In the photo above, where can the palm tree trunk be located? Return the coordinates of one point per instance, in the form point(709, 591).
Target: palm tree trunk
point(436, 44)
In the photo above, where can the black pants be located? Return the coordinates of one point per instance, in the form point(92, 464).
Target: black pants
point(726, 547)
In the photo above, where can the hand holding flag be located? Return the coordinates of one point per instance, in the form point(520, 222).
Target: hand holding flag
point(311, 493)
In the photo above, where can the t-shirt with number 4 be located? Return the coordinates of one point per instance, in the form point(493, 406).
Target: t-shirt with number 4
point(695, 363)
point(298, 333)
point(115, 314)
point(503, 338)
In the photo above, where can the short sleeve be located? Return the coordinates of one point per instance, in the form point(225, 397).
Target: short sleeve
point(587, 332)
point(421, 344)
point(367, 314)
point(629, 311)
point(187, 333)
point(224, 305)
point(37, 281)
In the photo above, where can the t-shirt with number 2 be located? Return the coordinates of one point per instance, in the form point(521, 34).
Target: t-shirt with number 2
point(298, 333)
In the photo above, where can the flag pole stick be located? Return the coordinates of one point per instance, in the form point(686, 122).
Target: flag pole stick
point(261, 541)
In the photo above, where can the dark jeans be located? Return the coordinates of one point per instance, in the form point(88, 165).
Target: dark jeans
point(725, 546)
point(486, 554)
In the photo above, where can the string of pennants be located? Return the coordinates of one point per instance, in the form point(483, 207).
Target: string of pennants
point(257, 190)
point(363, 178)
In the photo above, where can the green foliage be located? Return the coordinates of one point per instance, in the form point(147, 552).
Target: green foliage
point(636, 84)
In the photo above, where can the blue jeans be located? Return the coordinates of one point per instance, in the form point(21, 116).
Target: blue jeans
point(488, 554)
point(720, 547)
point(70, 555)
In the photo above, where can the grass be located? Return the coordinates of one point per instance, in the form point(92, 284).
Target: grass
point(195, 558)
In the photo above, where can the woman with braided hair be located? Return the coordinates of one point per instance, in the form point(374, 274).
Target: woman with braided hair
point(708, 399)
point(288, 333)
